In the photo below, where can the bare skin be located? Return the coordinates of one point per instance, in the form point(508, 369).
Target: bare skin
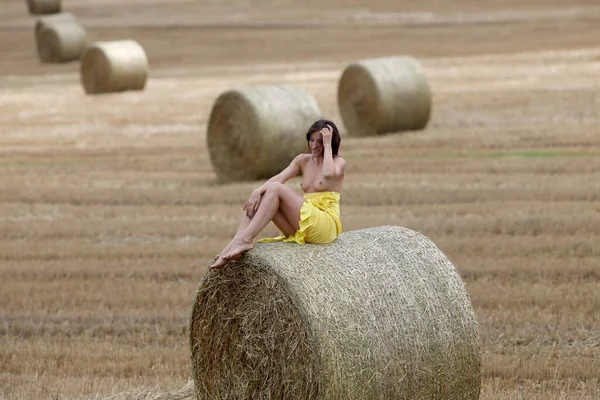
point(273, 201)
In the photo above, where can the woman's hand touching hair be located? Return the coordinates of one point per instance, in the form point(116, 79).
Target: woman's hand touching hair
point(327, 135)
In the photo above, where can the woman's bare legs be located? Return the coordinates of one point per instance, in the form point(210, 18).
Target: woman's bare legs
point(279, 220)
point(279, 204)
point(243, 225)
point(277, 198)
point(282, 223)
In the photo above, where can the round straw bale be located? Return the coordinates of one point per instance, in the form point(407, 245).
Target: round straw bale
point(254, 133)
point(380, 313)
point(49, 20)
point(384, 95)
point(61, 42)
point(114, 67)
point(43, 6)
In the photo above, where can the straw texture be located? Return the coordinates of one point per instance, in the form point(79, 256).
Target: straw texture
point(254, 133)
point(184, 393)
point(61, 42)
point(49, 20)
point(114, 67)
point(384, 95)
point(43, 6)
point(380, 313)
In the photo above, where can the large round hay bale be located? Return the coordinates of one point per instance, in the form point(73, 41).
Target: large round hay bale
point(61, 42)
point(380, 313)
point(384, 95)
point(254, 133)
point(114, 66)
point(43, 6)
point(49, 20)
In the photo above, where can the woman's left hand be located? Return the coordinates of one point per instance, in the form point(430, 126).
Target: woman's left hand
point(327, 134)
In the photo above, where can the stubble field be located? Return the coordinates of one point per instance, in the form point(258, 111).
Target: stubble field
point(110, 209)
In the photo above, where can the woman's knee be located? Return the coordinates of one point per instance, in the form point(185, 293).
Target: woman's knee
point(274, 188)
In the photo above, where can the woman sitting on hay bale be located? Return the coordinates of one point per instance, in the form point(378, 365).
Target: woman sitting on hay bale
point(313, 218)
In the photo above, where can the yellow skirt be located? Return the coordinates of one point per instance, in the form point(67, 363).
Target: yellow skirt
point(319, 220)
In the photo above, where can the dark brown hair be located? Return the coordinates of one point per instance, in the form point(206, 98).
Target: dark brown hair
point(335, 138)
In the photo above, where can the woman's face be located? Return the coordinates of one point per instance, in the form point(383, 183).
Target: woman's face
point(315, 143)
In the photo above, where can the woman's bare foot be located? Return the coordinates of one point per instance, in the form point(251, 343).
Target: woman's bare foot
point(219, 263)
point(238, 246)
point(221, 260)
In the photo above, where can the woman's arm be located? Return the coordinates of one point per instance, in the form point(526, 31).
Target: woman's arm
point(291, 171)
point(331, 168)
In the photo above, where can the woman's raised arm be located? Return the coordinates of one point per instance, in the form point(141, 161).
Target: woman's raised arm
point(332, 168)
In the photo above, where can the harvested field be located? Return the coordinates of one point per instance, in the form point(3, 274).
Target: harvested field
point(110, 209)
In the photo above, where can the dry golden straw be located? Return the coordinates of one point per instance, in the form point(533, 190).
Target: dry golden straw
point(43, 6)
point(254, 133)
point(384, 95)
point(184, 393)
point(380, 313)
point(114, 67)
point(60, 42)
point(49, 20)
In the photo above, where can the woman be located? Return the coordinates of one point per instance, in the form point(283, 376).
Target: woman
point(313, 218)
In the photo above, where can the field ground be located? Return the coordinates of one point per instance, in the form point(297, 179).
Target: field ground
point(110, 209)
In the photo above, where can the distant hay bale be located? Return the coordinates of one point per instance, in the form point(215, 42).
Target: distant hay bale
point(380, 313)
point(384, 95)
point(254, 133)
point(60, 42)
point(43, 6)
point(114, 67)
point(49, 20)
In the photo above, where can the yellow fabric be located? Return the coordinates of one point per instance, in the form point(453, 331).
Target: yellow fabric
point(319, 220)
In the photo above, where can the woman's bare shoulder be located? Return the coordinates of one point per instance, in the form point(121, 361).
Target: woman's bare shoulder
point(302, 158)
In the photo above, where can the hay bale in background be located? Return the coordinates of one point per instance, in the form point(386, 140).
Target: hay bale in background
point(50, 20)
point(378, 314)
point(114, 67)
point(384, 95)
point(43, 6)
point(60, 42)
point(254, 133)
